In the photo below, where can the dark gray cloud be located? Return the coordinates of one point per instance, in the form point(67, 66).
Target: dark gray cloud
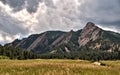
point(104, 12)
point(15, 4)
point(25, 17)
point(9, 25)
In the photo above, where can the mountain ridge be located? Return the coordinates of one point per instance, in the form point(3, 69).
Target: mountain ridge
point(91, 37)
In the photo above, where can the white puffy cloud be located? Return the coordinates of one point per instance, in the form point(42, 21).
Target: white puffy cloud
point(25, 17)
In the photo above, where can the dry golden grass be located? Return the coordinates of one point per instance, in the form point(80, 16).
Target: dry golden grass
point(57, 67)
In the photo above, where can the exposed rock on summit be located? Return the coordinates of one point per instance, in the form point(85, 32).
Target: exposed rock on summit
point(89, 33)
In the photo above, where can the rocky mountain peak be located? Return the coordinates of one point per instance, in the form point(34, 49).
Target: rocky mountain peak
point(89, 32)
point(89, 25)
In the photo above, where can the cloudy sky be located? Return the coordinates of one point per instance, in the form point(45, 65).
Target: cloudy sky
point(20, 18)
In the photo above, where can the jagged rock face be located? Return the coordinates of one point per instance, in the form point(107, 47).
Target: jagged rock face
point(62, 39)
point(89, 33)
point(43, 42)
point(57, 41)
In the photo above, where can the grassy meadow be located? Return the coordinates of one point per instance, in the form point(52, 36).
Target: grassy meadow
point(57, 67)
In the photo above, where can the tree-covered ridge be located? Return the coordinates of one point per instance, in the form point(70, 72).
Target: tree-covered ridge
point(89, 43)
point(87, 52)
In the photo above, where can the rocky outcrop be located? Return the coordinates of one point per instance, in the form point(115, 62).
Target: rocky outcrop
point(65, 38)
point(89, 33)
point(37, 42)
point(57, 41)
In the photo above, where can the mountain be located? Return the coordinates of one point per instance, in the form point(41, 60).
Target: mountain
point(90, 38)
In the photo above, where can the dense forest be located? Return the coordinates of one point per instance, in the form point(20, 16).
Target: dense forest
point(84, 54)
point(16, 53)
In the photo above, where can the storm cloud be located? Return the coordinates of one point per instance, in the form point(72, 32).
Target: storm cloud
point(24, 17)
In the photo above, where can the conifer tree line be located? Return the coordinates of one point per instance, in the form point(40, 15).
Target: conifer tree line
point(83, 53)
point(16, 53)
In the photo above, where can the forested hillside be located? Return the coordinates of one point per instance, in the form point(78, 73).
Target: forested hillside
point(16, 53)
point(91, 43)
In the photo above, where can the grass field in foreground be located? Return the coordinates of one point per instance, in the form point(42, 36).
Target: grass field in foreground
point(57, 67)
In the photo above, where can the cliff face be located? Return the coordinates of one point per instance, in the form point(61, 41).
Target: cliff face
point(89, 33)
point(56, 41)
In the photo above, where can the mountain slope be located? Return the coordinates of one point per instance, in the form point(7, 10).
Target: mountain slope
point(89, 38)
point(90, 32)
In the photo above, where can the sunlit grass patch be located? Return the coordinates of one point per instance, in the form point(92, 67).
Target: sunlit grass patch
point(57, 67)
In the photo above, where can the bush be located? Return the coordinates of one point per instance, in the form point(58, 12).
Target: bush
point(4, 57)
